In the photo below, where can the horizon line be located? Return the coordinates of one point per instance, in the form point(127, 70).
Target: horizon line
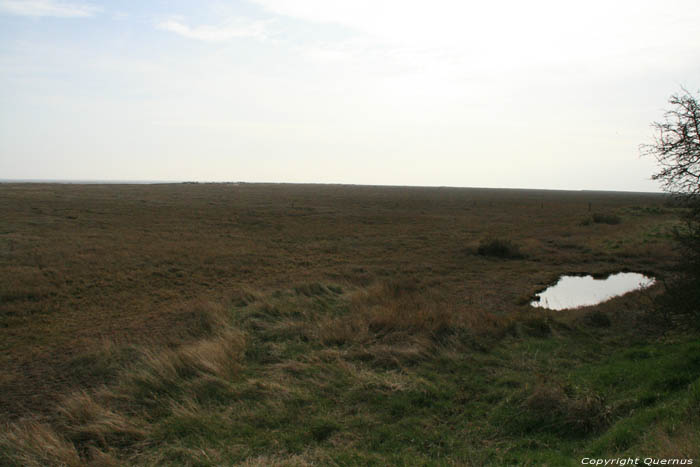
point(241, 182)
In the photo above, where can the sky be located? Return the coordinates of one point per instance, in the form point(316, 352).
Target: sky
point(505, 93)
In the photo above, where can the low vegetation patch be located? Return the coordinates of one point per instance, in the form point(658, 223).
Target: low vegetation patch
point(500, 248)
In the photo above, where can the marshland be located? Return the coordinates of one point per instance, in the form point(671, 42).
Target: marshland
point(259, 324)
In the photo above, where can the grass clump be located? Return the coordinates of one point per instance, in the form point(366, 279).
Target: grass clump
point(561, 410)
point(500, 248)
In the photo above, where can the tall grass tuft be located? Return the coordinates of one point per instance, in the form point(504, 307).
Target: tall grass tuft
point(35, 444)
point(86, 422)
point(388, 312)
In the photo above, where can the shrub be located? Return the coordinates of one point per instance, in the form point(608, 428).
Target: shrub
point(680, 302)
point(603, 218)
point(499, 248)
point(676, 148)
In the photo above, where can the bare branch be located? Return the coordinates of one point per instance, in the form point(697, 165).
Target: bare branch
point(676, 147)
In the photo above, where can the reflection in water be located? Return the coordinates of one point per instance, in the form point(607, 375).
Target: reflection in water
point(577, 291)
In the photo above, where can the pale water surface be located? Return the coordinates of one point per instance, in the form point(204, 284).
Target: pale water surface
point(577, 291)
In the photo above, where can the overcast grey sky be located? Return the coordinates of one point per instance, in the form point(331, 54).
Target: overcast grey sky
point(510, 93)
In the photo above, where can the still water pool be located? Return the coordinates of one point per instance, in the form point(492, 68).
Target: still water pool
point(577, 291)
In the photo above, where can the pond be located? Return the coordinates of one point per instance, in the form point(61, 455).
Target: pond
point(577, 291)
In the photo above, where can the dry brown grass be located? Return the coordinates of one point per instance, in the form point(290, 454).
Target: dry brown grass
point(95, 425)
point(220, 356)
point(384, 312)
point(83, 418)
point(402, 320)
point(35, 444)
point(218, 353)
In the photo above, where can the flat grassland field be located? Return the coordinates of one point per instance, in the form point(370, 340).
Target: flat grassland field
point(225, 323)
